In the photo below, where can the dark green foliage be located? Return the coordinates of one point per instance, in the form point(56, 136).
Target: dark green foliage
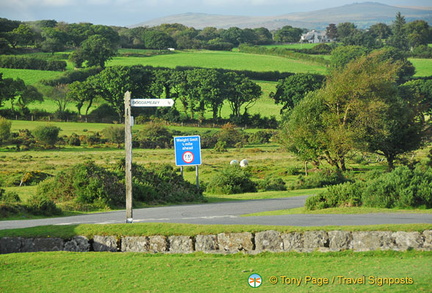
point(9, 197)
point(155, 135)
point(320, 178)
point(401, 188)
point(272, 183)
point(231, 180)
point(31, 63)
point(42, 205)
point(85, 183)
point(346, 194)
point(162, 184)
point(47, 135)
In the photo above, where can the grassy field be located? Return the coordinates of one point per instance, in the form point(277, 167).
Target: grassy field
point(423, 66)
point(222, 59)
point(137, 272)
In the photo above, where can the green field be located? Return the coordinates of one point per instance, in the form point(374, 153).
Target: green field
point(222, 59)
point(138, 272)
point(423, 66)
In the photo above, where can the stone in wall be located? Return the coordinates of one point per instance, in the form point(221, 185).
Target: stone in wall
point(206, 243)
point(105, 243)
point(315, 240)
point(135, 244)
point(78, 244)
point(235, 242)
point(42, 244)
point(180, 244)
point(158, 244)
point(407, 240)
point(339, 240)
point(10, 244)
point(372, 240)
point(427, 236)
point(268, 241)
point(292, 241)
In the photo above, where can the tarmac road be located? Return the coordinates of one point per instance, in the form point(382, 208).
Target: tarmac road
point(227, 213)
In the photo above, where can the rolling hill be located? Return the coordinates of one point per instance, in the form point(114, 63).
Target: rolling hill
point(361, 14)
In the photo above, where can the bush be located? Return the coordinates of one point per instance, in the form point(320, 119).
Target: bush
point(272, 184)
point(231, 180)
point(162, 184)
point(401, 188)
point(321, 178)
point(85, 183)
point(9, 197)
point(346, 194)
point(155, 135)
point(42, 205)
point(47, 135)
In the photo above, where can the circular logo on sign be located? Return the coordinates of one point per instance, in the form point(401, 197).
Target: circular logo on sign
point(254, 280)
point(188, 157)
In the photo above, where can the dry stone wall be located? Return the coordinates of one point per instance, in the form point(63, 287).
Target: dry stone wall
point(246, 242)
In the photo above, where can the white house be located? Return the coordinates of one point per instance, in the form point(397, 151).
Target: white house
point(314, 37)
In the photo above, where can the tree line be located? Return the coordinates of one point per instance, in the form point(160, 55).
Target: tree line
point(53, 36)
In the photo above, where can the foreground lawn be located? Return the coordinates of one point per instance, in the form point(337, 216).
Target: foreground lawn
point(136, 272)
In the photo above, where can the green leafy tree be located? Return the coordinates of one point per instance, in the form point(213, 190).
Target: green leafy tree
point(158, 40)
point(342, 55)
point(399, 38)
point(288, 34)
point(291, 90)
point(240, 92)
point(96, 51)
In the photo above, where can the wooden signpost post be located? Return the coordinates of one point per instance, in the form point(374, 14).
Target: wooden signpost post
point(129, 103)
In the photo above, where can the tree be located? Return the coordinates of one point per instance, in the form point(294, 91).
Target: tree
point(345, 29)
point(113, 82)
point(399, 38)
point(358, 107)
point(342, 55)
point(291, 90)
point(418, 33)
point(59, 94)
point(288, 34)
point(331, 31)
point(240, 92)
point(157, 40)
point(380, 31)
point(81, 93)
point(96, 50)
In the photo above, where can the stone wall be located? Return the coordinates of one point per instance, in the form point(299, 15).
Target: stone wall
point(246, 242)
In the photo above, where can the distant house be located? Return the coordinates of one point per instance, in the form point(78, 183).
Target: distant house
point(314, 37)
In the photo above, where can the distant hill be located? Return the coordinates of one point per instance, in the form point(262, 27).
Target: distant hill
point(362, 14)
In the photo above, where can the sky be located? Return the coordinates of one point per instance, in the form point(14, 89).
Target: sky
point(131, 12)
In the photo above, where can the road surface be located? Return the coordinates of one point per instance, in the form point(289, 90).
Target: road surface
point(228, 213)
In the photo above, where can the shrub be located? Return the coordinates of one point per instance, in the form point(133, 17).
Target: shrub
point(155, 135)
point(230, 180)
point(346, 194)
point(85, 183)
point(5, 130)
point(321, 178)
point(114, 135)
point(42, 205)
point(162, 184)
point(272, 183)
point(401, 188)
point(9, 197)
point(47, 135)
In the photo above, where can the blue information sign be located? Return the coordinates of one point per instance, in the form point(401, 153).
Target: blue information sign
point(187, 150)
